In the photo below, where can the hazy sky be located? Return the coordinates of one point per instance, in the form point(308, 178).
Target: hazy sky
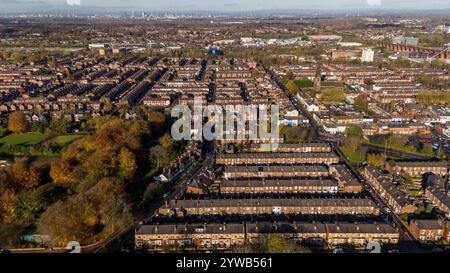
point(217, 5)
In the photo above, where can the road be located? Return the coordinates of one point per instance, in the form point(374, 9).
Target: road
point(406, 235)
point(126, 236)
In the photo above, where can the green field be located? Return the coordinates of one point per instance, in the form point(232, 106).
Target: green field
point(18, 139)
point(66, 139)
point(356, 157)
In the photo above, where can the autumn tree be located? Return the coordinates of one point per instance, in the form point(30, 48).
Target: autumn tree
point(17, 122)
point(108, 106)
point(101, 164)
point(377, 160)
point(166, 141)
point(70, 220)
point(156, 117)
point(24, 174)
point(61, 172)
point(156, 120)
point(361, 102)
point(127, 164)
point(292, 87)
point(351, 143)
point(8, 196)
point(102, 210)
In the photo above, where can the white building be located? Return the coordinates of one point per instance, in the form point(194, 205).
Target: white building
point(349, 44)
point(367, 55)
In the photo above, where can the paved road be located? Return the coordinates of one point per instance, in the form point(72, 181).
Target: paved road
point(126, 236)
point(406, 235)
point(116, 242)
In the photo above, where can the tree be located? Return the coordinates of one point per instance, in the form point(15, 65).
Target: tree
point(153, 191)
point(6, 55)
point(101, 164)
point(60, 126)
point(353, 130)
point(166, 141)
point(276, 244)
point(156, 117)
point(294, 134)
point(351, 143)
point(69, 220)
point(8, 196)
point(18, 122)
point(292, 87)
point(405, 180)
point(398, 140)
point(377, 160)
point(361, 102)
point(17, 57)
point(61, 173)
point(10, 235)
point(127, 164)
point(158, 155)
point(102, 210)
point(430, 97)
point(289, 75)
point(28, 206)
point(108, 106)
point(24, 174)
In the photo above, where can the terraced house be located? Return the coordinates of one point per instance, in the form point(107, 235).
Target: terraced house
point(313, 206)
point(277, 158)
point(293, 185)
point(224, 236)
point(292, 148)
point(418, 168)
point(267, 171)
point(384, 186)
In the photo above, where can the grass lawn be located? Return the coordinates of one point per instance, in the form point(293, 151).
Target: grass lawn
point(66, 139)
point(406, 148)
point(354, 157)
point(18, 139)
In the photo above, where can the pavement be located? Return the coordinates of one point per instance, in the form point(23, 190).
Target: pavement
point(405, 234)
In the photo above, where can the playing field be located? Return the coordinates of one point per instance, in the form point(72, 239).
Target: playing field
point(66, 139)
point(22, 139)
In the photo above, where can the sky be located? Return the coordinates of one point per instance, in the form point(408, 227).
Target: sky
point(217, 5)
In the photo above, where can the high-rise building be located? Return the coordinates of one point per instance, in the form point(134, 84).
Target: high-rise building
point(367, 55)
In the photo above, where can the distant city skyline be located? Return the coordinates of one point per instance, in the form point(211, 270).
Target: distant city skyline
point(217, 6)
